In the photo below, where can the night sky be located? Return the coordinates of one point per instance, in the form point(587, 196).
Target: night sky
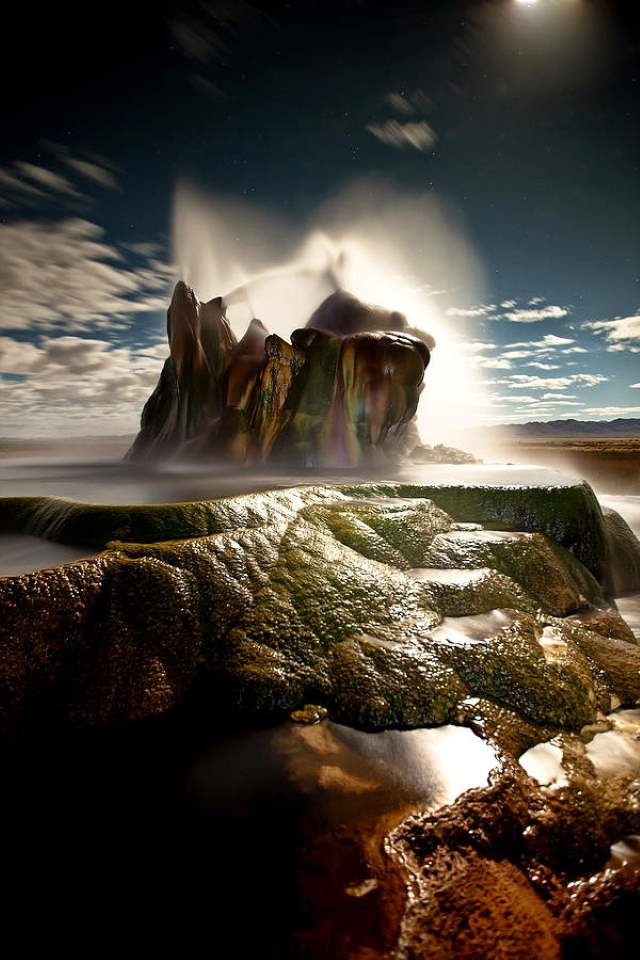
point(521, 119)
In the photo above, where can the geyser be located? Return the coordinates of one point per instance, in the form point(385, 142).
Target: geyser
point(344, 388)
point(406, 250)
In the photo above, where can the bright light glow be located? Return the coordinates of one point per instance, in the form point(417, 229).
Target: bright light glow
point(528, 3)
point(385, 247)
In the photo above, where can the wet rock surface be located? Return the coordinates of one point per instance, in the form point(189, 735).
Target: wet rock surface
point(462, 756)
point(309, 595)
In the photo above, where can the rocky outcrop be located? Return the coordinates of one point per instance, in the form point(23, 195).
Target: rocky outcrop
point(624, 554)
point(344, 598)
point(190, 393)
point(365, 605)
point(347, 385)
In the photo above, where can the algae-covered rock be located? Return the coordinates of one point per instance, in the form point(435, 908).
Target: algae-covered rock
point(359, 604)
point(566, 513)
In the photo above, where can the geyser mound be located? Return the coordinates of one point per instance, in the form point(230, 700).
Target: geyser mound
point(343, 390)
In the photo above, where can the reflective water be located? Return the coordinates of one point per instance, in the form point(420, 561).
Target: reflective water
point(614, 752)
point(462, 631)
point(21, 553)
point(333, 764)
point(106, 480)
point(544, 763)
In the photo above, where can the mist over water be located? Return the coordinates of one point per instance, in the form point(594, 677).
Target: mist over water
point(399, 250)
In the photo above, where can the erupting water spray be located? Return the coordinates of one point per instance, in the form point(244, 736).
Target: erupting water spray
point(401, 251)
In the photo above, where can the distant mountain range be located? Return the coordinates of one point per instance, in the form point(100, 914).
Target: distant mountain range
point(571, 428)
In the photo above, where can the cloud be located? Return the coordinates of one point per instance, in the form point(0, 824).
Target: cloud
point(63, 274)
point(395, 134)
point(75, 384)
point(89, 166)
point(493, 363)
point(408, 103)
point(476, 346)
point(612, 411)
point(482, 310)
point(557, 403)
point(549, 340)
point(559, 396)
point(17, 186)
point(575, 350)
point(91, 171)
point(507, 304)
point(51, 181)
point(203, 35)
point(543, 366)
point(518, 381)
point(535, 314)
point(622, 333)
point(634, 386)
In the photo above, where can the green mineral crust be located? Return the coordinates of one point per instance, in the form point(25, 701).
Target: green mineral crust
point(358, 600)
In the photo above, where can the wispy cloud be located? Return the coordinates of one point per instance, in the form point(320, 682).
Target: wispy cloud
point(493, 363)
point(408, 102)
point(535, 311)
point(482, 310)
point(74, 384)
point(550, 340)
point(63, 274)
point(519, 381)
point(416, 134)
point(18, 189)
point(49, 180)
point(204, 34)
point(613, 411)
point(622, 333)
point(535, 314)
point(90, 167)
point(476, 346)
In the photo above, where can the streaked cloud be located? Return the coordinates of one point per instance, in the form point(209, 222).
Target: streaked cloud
point(75, 384)
point(62, 274)
point(518, 381)
point(493, 363)
point(535, 314)
point(622, 333)
point(18, 188)
point(549, 340)
point(49, 180)
point(88, 165)
point(416, 134)
point(613, 411)
point(482, 310)
point(408, 102)
point(477, 346)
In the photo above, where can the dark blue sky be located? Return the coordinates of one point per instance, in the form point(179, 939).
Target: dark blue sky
point(522, 117)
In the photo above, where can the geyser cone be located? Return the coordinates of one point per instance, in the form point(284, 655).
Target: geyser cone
point(347, 385)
